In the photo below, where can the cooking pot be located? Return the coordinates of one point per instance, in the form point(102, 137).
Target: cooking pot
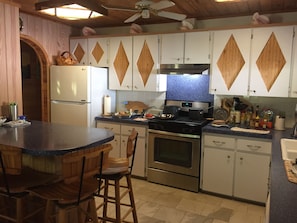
point(171, 109)
point(196, 114)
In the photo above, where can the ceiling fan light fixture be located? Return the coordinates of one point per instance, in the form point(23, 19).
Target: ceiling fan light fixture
point(145, 13)
point(71, 12)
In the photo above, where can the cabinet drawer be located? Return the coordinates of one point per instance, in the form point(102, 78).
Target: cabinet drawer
point(110, 126)
point(126, 130)
point(219, 141)
point(251, 145)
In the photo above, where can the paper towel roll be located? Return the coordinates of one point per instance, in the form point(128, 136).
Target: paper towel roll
point(107, 105)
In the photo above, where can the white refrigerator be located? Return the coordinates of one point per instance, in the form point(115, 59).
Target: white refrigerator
point(77, 94)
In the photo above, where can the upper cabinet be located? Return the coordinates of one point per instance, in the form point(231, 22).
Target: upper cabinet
point(90, 51)
point(146, 64)
point(257, 66)
point(271, 61)
point(190, 47)
point(293, 82)
point(79, 49)
point(120, 69)
point(134, 63)
point(98, 51)
point(230, 62)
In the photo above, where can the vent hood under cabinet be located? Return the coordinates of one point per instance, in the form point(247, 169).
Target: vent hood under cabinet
point(183, 68)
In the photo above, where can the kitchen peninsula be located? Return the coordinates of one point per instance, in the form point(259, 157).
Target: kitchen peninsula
point(42, 142)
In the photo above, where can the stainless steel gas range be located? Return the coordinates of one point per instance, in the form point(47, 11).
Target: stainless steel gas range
point(174, 145)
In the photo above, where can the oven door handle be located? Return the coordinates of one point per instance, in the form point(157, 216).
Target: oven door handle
point(174, 134)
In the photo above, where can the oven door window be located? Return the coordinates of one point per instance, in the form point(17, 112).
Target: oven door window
point(173, 152)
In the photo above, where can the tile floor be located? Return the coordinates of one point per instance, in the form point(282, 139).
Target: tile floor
point(161, 204)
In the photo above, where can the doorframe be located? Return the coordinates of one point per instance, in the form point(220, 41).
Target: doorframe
point(44, 66)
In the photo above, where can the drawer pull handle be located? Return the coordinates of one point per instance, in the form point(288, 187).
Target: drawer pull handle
point(254, 148)
point(218, 143)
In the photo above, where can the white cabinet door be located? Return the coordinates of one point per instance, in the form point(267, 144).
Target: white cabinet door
point(251, 176)
point(98, 51)
point(230, 62)
point(190, 48)
point(293, 87)
point(172, 48)
point(116, 142)
point(120, 68)
point(218, 166)
point(79, 49)
point(271, 61)
point(146, 64)
point(197, 48)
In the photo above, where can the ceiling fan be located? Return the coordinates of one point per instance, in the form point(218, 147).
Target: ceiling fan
point(143, 8)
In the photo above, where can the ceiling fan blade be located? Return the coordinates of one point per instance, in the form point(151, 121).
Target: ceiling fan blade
point(172, 15)
point(162, 5)
point(119, 9)
point(133, 18)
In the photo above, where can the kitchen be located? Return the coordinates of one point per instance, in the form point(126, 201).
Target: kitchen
point(287, 105)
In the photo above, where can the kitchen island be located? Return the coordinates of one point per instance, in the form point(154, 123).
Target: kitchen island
point(50, 139)
point(43, 144)
point(283, 199)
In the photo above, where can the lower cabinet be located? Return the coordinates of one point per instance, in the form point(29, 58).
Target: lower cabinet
point(236, 166)
point(121, 132)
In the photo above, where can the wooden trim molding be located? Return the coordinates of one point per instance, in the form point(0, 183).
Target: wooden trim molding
point(44, 65)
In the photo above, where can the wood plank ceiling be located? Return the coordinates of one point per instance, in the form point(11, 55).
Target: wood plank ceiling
point(199, 9)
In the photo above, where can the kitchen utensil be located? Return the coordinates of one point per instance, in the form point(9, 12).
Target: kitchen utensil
point(171, 109)
point(220, 114)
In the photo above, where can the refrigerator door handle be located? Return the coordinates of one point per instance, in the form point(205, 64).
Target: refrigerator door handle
point(70, 102)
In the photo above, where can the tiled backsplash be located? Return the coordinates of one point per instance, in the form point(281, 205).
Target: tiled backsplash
point(179, 87)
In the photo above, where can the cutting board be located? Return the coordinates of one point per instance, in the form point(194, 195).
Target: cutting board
point(136, 105)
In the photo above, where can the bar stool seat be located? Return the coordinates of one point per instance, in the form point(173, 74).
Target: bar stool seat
point(118, 168)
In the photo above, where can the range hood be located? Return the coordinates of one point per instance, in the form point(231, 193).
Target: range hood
point(183, 68)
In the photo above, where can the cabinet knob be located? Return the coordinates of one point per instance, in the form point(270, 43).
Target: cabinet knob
point(241, 158)
point(228, 156)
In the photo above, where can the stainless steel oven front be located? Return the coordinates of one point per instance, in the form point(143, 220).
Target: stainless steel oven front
point(174, 159)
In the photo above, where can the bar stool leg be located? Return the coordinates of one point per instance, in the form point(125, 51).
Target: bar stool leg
point(117, 201)
point(105, 200)
point(19, 210)
point(131, 195)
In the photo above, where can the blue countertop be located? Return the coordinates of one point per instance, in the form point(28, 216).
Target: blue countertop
point(41, 138)
point(283, 193)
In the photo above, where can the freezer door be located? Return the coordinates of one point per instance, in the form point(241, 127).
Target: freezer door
point(70, 83)
point(71, 113)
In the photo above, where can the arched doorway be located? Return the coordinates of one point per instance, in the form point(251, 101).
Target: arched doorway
point(42, 64)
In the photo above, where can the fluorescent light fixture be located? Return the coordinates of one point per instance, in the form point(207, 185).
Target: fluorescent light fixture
point(71, 12)
point(230, 0)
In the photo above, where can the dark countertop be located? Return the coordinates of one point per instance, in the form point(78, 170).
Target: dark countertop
point(41, 138)
point(228, 131)
point(121, 120)
point(283, 193)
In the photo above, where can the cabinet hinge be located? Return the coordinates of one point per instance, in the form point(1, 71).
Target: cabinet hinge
point(252, 35)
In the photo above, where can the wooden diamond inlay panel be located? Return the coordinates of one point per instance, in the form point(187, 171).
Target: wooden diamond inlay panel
point(79, 53)
point(145, 63)
point(97, 52)
point(121, 63)
point(230, 62)
point(271, 61)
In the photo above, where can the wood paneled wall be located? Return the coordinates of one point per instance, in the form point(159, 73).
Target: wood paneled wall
point(48, 37)
point(10, 62)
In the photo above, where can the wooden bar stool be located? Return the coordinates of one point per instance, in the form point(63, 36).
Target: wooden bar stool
point(118, 168)
point(14, 181)
point(75, 191)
